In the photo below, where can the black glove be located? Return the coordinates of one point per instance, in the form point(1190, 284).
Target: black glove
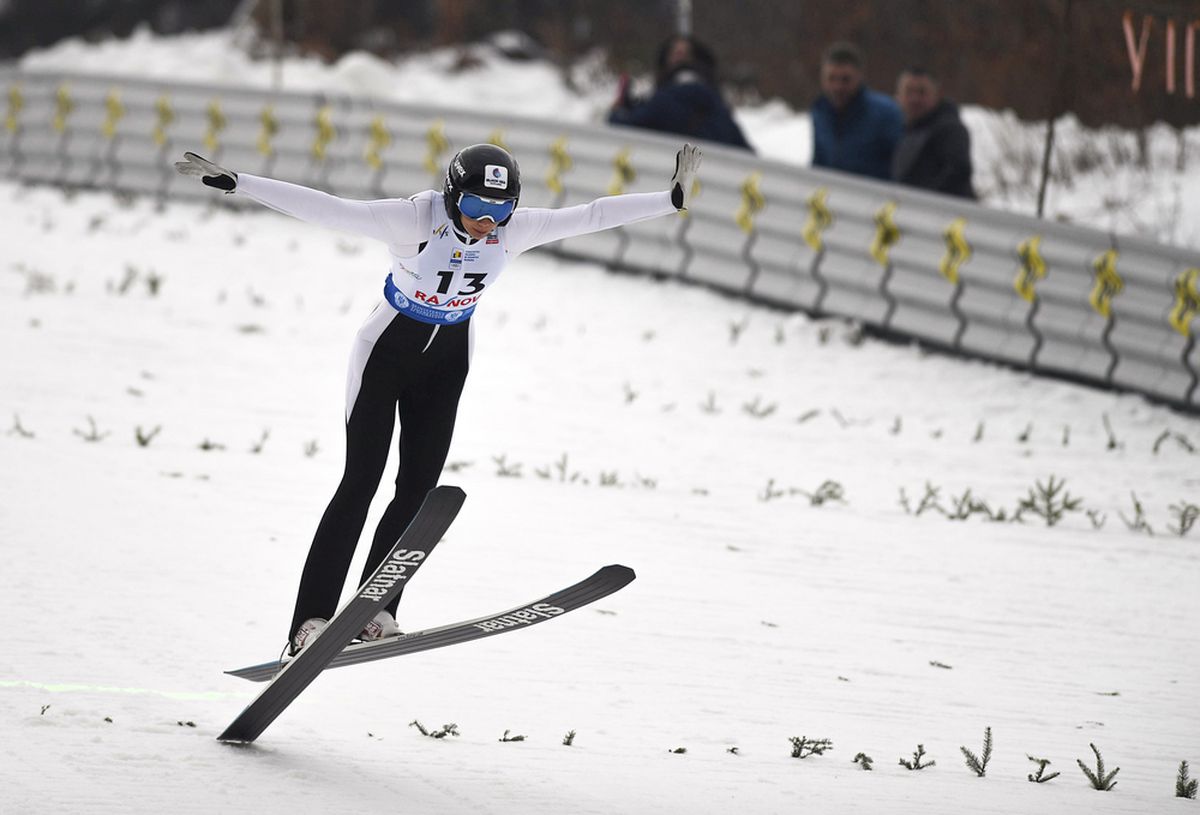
point(212, 175)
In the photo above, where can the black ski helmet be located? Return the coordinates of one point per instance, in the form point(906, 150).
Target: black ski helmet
point(485, 170)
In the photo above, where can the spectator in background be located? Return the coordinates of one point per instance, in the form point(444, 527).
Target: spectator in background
point(855, 129)
point(935, 153)
point(685, 99)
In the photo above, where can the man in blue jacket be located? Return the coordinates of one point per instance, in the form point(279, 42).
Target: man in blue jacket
point(685, 100)
point(855, 129)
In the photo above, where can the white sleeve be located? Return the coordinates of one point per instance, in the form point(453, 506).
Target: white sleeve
point(395, 221)
point(534, 227)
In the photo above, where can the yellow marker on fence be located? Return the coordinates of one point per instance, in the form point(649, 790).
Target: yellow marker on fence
point(114, 111)
point(1187, 301)
point(380, 139)
point(820, 218)
point(958, 251)
point(16, 101)
point(753, 202)
point(1108, 283)
point(326, 132)
point(436, 141)
point(623, 172)
point(560, 162)
point(1032, 268)
point(166, 115)
point(63, 107)
point(887, 234)
point(269, 127)
point(216, 123)
point(496, 137)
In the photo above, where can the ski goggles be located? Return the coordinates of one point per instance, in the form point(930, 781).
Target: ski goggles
point(476, 207)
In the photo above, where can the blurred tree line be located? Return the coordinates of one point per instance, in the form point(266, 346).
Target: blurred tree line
point(1036, 57)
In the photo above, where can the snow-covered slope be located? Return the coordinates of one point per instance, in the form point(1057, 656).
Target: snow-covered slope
point(170, 430)
point(607, 419)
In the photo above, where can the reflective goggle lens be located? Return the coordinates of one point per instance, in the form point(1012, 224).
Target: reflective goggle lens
point(477, 208)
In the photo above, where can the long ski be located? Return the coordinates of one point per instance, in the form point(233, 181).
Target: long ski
point(601, 584)
point(434, 517)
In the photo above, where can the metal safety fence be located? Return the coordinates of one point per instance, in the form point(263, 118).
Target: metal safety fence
point(1054, 298)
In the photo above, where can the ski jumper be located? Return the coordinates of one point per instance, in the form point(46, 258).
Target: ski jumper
point(410, 357)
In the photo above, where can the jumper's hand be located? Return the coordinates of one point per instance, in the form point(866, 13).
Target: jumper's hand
point(687, 162)
point(212, 175)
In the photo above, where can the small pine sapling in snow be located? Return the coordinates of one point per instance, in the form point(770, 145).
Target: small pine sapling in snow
point(1026, 433)
point(828, 491)
point(563, 470)
point(610, 479)
point(154, 282)
point(144, 437)
point(92, 434)
point(447, 730)
point(506, 470)
point(771, 491)
point(1041, 777)
point(1113, 444)
point(736, 329)
point(569, 739)
point(978, 764)
point(930, 500)
point(678, 751)
point(864, 761)
point(759, 410)
point(257, 447)
point(1099, 779)
point(18, 429)
point(507, 737)
point(1050, 502)
point(1185, 516)
point(916, 764)
point(1138, 523)
point(1184, 787)
point(1182, 440)
point(803, 747)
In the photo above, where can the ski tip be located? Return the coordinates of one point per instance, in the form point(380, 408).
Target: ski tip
point(616, 569)
point(258, 673)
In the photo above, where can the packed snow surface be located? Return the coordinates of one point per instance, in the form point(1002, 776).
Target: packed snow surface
point(171, 389)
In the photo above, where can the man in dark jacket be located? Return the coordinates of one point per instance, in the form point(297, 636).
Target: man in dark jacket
point(935, 153)
point(855, 129)
point(685, 100)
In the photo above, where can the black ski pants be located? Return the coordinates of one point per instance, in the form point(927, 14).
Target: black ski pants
point(401, 367)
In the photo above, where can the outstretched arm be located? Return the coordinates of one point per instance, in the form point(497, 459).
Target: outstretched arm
point(535, 227)
point(392, 220)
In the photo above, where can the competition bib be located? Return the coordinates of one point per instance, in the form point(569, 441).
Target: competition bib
point(442, 283)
